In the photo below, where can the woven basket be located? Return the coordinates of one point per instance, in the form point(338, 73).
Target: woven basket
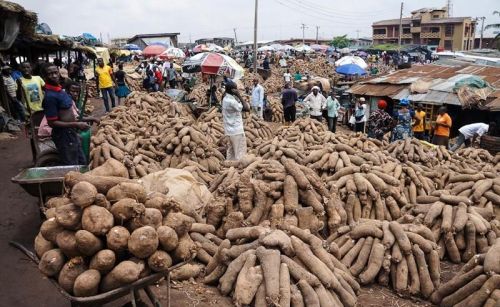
point(490, 143)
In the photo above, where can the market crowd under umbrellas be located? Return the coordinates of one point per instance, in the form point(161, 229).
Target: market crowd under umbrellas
point(283, 172)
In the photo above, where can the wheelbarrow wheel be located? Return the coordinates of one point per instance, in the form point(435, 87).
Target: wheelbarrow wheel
point(51, 159)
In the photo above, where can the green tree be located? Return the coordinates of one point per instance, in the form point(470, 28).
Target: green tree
point(495, 26)
point(340, 42)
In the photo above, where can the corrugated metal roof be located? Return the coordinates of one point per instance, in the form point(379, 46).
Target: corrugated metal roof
point(397, 84)
point(375, 90)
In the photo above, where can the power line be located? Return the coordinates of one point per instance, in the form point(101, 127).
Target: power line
point(338, 12)
point(315, 10)
point(311, 14)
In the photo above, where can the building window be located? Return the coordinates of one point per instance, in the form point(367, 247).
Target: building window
point(415, 23)
point(406, 31)
point(434, 29)
point(379, 31)
point(435, 16)
point(448, 44)
point(449, 30)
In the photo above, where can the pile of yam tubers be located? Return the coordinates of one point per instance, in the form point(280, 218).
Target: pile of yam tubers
point(301, 220)
point(404, 256)
point(106, 232)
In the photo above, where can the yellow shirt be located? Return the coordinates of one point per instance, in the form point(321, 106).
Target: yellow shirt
point(105, 80)
point(33, 91)
point(420, 127)
point(441, 130)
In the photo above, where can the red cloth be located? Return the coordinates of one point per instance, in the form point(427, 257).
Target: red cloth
point(159, 77)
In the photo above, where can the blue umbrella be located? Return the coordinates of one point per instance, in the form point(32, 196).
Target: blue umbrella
point(131, 47)
point(350, 69)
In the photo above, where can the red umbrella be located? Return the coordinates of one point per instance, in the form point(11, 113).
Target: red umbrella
point(153, 50)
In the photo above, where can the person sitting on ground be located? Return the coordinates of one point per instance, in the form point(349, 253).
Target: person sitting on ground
point(471, 133)
point(316, 103)
point(58, 109)
point(232, 106)
point(442, 128)
point(379, 122)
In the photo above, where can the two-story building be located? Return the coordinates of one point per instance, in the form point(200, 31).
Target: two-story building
point(431, 27)
point(219, 41)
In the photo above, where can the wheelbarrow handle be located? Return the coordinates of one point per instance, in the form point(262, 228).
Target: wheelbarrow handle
point(26, 251)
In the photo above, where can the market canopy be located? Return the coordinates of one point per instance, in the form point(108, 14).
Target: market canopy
point(207, 48)
point(153, 50)
point(350, 70)
point(351, 60)
point(173, 53)
point(320, 48)
point(266, 48)
point(131, 47)
point(212, 63)
point(304, 48)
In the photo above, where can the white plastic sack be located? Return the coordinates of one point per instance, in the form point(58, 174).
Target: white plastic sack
point(181, 186)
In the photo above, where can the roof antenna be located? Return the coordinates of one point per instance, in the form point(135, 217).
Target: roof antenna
point(449, 7)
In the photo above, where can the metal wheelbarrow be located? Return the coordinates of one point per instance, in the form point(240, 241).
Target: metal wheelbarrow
point(110, 296)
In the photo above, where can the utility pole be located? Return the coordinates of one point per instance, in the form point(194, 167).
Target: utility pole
point(400, 28)
point(317, 39)
point(190, 39)
point(357, 34)
point(482, 31)
point(304, 27)
point(449, 7)
point(235, 37)
point(255, 37)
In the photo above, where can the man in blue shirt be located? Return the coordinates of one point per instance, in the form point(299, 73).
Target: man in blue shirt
point(58, 109)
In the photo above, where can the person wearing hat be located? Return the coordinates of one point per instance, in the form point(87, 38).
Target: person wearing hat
point(379, 122)
point(332, 107)
point(232, 105)
point(360, 115)
point(442, 128)
point(316, 102)
point(403, 117)
point(17, 108)
point(419, 123)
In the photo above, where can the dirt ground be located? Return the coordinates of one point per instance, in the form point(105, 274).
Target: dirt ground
point(21, 284)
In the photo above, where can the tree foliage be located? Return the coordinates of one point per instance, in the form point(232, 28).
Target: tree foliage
point(340, 42)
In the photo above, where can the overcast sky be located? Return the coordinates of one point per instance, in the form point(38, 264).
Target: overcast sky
point(278, 19)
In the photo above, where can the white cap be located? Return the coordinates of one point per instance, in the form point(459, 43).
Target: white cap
point(315, 88)
point(362, 99)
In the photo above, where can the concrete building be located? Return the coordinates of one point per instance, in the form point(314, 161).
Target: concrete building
point(220, 41)
point(144, 40)
point(307, 41)
point(431, 27)
point(119, 41)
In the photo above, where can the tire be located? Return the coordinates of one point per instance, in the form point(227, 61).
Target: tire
point(50, 159)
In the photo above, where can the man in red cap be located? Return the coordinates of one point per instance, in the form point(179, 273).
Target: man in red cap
point(380, 122)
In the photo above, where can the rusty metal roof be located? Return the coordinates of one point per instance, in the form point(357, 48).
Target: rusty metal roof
point(397, 84)
point(375, 90)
